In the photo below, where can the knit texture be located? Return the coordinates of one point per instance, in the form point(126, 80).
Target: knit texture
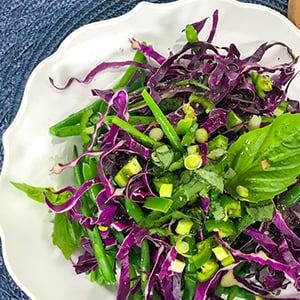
point(30, 31)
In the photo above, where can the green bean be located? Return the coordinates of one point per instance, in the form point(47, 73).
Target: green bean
point(133, 120)
point(291, 197)
point(166, 126)
point(71, 130)
point(145, 264)
point(134, 210)
point(99, 105)
point(105, 265)
point(73, 119)
point(143, 138)
point(192, 82)
point(138, 57)
point(190, 283)
point(83, 125)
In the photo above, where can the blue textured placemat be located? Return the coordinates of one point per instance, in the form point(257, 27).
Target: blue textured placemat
point(30, 31)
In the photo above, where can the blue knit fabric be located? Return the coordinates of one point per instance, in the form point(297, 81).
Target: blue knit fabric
point(30, 31)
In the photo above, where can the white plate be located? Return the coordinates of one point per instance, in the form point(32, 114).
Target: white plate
point(30, 152)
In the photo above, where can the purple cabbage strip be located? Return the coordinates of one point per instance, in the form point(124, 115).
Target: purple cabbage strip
point(148, 51)
point(280, 223)
point(260, 258)
point(217, 118)
point(101, 67)
point(74, 199)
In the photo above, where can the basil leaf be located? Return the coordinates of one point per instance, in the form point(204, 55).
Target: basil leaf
point(266, 160)
point(66, 236)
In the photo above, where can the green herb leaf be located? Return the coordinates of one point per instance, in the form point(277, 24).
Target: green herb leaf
point(262, 213)
point(66, 236)
point(266, 160)
point(35, 193)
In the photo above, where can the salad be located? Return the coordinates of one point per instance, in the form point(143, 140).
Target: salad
point(187, 182)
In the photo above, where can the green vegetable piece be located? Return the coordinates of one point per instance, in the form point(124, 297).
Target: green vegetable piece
point(261, 211)
point(145, 264)
point(184, 125)
point(182, 247)
point(35, 193)
point(262, 84)
point(208, 270)
point(219, 142)
point(163, 156)
point(134, 210)
point(191, 33)
point(266, 160)
point(71, 130)
point(89, 171)
point(83, 125)
point(156, 134)
point(163, 122)
point(233, 120)
point(158, 204)
point(281, 108)
point(254, 122)
point(193, 161)
point(204, 253)
point(184, 226)
point(225, 228)
point(177, 266)
point(193, 82)
point(232, 208)
point(66, 236)
point(132, 167)
point(290, 198)
point(190, 287)
point(133, 120)
point(103, 259)
point(189, 137)
point(236, 292)
point(143, 138)
point(223, 255)
point(131, 70)
point(170, 104)
point(242, 191)
point(193, 149)
point(166, 190)
point(73, 119)
point(201, 135)
point(207, 105)
point(38, 193)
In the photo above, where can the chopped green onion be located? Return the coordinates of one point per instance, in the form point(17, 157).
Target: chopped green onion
point(182, 247)
point(166, 190)
point(201, 135)
point(156, 134)
point(193, 161)
point(132, 167)
point(184, 227)
point(254, 122)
